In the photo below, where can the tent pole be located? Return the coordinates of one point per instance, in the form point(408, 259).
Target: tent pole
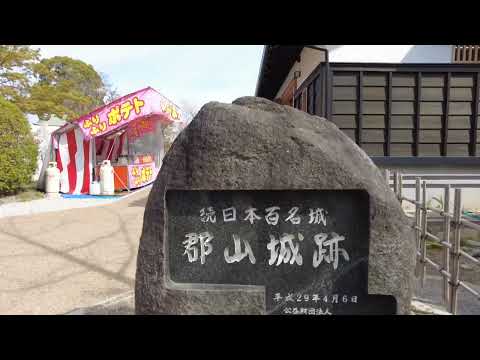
point(127, 144)
point(51, 154)
point(94, 159)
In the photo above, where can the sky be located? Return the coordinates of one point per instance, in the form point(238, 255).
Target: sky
point(185, 74)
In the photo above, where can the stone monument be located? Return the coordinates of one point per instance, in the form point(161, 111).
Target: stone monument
point(263, 209)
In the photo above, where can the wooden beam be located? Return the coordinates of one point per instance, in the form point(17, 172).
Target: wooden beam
point(329, 92)
point(314, 96)
point(388, 118)
point(476, 94)
point(360, 108)
point(322, 110)
point(417, 113)
point(446, 110)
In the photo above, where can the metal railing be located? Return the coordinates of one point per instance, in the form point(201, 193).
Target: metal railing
point(449, 269)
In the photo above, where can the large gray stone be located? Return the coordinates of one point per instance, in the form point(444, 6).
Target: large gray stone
point(256, 144)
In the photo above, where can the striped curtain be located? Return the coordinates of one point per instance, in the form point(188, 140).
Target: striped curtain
point(73, 160)
point(73, 157)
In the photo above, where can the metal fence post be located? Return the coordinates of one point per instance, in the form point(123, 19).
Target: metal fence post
point(387, 176)
point(455, 254)
point(423, 237)
point(451, 252)
point(418, 189)
point(400, 188)
point(418, 192)
point(446, 239)
point(395, 183)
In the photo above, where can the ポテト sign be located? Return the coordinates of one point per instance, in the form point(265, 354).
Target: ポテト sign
point(308, 248)
point(140, 107)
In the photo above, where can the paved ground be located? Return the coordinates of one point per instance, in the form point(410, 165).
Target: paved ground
point(56, 262)
point(122, 304)
point(469, 273)
point(46, 205)
point(432, 293)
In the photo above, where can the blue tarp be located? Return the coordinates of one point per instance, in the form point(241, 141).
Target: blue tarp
point(86, 196)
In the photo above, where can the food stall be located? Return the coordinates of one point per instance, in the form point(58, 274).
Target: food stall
point(128, 132)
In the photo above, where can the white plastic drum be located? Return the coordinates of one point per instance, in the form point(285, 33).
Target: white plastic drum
point(107, 184)
point(95, 188)
point(52, 182)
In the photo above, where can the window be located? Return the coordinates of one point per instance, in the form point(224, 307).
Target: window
point(413, 111)
point(466, 54)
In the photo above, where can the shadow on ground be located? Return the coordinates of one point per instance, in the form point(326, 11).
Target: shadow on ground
point(139, 203)
point(122, 307)
point(76, 257)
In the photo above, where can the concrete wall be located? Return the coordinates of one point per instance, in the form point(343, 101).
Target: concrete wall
point(391, 53)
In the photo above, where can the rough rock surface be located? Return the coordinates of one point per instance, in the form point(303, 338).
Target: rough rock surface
point(257, 144)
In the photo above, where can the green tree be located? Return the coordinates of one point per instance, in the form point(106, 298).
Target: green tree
point(17, 73)
point(66, 87)
point(18, 155)
point(60, 85)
